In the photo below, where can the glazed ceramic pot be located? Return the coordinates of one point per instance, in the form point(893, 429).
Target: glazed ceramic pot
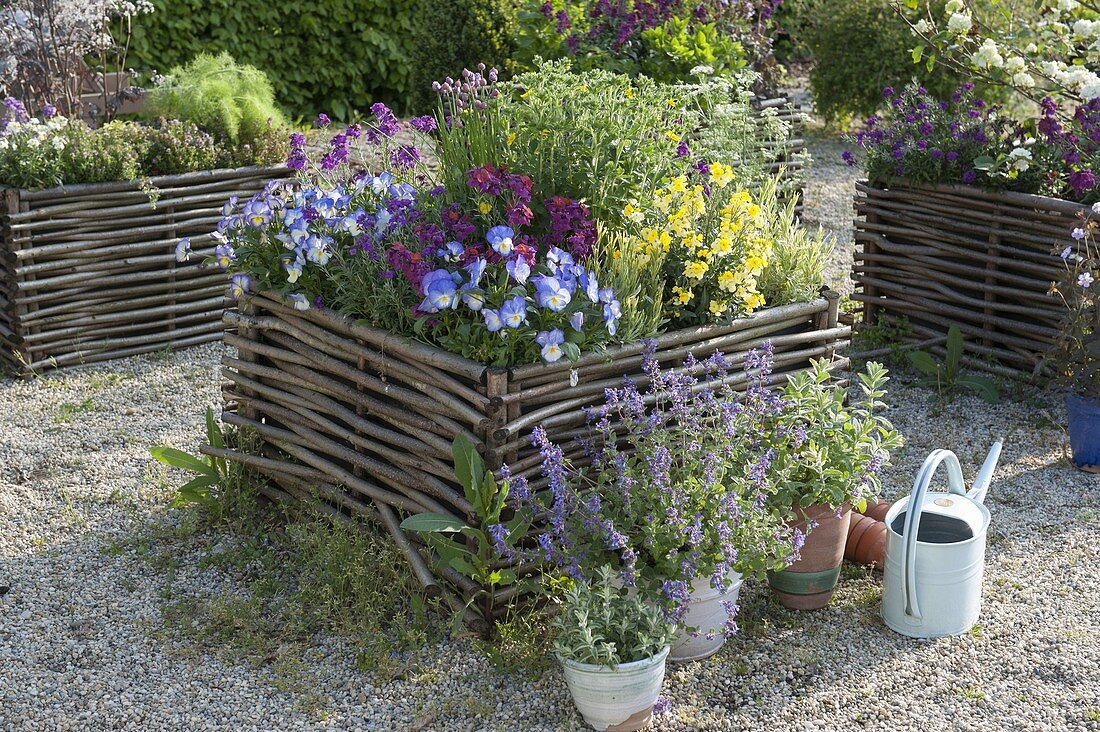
point(616, 697)
point(1084, 431)
point(808, 584)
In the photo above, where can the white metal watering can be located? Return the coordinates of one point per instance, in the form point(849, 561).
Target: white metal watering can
point(935, 555)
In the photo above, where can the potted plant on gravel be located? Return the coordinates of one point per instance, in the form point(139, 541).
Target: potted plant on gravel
point(612, 646)
point(830, 454)
point(1076, 356)
point(678, 496)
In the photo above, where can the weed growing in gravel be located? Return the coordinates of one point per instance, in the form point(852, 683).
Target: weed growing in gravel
point(67, 411)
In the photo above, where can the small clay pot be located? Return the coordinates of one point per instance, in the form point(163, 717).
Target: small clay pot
point(877, 510)
point(866, 541)
point(808, 584)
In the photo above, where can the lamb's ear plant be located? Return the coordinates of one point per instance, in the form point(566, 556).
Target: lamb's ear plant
point(212, 471)
point(605, 624)
point(478, 557)
point(948, 376)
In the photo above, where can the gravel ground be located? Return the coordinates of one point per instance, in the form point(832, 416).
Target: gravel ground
point(92, 556)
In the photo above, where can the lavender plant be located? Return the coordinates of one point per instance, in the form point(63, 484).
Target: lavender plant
point(680, 488)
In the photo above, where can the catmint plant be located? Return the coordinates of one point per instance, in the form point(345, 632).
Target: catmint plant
point(681, 486)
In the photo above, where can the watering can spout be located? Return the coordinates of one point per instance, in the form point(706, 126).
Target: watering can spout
point(985, 475)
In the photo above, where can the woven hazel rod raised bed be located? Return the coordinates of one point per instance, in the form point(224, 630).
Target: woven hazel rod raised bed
point(362, 420)
point(956, 255)
point(88, 272)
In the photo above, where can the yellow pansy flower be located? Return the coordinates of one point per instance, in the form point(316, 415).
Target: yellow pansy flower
point(682, 295)
point(484, 207)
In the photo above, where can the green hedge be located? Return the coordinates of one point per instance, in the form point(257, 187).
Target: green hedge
point(333, 56)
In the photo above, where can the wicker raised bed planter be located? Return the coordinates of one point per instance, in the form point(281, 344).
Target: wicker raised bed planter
point(956, 255)
point(364, 419)
point(88, 272)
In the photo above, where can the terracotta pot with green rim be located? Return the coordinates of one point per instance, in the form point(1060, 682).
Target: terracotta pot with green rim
point(619, 698)
point(808, 584)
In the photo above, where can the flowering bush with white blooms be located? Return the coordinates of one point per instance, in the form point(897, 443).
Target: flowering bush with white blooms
point(1048, 48)
point(52, 47)
point(51, 149)
point(1076, 357)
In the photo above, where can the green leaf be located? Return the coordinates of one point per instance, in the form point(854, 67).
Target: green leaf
point(954, 352)
point(174, 458)
point(469, 467)
point(984, 162)
point(987, 388)
point(918, 53)
point(434, 523)
point(923, 362)
point(461, 565)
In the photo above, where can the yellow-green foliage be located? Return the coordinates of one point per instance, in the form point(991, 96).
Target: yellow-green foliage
point(219, 95)
point(795, 271)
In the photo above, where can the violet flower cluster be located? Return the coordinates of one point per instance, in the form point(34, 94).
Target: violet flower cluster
point(965, 140)
point(680, 487)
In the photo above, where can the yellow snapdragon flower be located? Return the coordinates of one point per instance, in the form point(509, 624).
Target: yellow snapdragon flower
point(682, 296)
point(721, 175)
point(695, 270)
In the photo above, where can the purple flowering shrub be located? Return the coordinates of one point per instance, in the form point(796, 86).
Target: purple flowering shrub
point(833, 444)
point(965, 140)
point(662, 39)
point(1076, 355)
point(680, 487)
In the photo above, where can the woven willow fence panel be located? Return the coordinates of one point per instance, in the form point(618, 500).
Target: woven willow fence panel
point(955, 255)
point(364, 420)
point(786, 159)
point(88, 272)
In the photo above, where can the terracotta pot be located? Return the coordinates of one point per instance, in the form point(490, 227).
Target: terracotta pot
point(808, 584)
point(877, 510)
point(866, 541)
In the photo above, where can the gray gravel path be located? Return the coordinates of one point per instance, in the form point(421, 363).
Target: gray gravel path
point(91, 553)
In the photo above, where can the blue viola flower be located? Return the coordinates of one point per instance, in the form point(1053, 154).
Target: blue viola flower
point(514, 311)
point(500, 239)
point(551, 341)
point(519, 269)
point(440, 291)
point(558, 258)
point(293, 264)
point(403, 192)
point(299, 301)
point(295, 235)
point(551, 293)
point(353, 222)
point(256, 213)
point(317, 249)
point(475, 270)
point(590, 285)
point(472, 297)
point(381, 183)
point(183, 250)
point(492, 320)
point(452, 250)
point(611, 314)
point(606, 295)
point(238, 285)
point(292, 216)
point(224, 255)
point(576, 321)
point(230, 205)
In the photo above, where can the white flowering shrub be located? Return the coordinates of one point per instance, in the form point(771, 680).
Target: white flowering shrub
point(1046, 48)
point(50, 49)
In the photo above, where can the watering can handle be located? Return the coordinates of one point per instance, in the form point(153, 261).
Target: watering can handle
point(956, 485)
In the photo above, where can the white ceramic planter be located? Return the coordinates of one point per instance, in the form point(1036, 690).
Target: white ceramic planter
point(706, 614)
point(619, 698)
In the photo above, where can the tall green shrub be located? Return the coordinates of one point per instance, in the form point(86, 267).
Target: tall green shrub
point(220, 96)
point(859, 47)
point(334, 56)
point(457, 34)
